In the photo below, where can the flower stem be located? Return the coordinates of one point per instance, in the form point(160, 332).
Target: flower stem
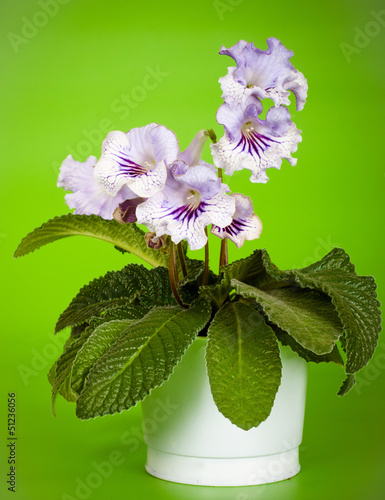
point(224, 256)
point(181, 260)
point(206, 270)
point(172, 271)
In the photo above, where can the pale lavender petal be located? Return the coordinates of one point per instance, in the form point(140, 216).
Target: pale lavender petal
point(87, 197)
point(234, 117)
point(193, 153)
point(136, 159)
point(245, 224)
point(265, 74)
point(163, 140)
point(201, 178)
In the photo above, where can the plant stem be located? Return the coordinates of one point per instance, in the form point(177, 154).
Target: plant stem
point(172, 271)
point(181, 260)
point(224, 256)
point(206, 270)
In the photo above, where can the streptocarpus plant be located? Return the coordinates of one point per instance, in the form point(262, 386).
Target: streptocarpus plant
point(129, 329)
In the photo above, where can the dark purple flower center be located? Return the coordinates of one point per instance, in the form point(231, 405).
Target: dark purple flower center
point(128, 166)
point(252, 141)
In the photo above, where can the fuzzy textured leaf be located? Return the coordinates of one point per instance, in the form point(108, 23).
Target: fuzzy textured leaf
point(243, 365)
point(347, 385)
point(60, 383)
point(128, 237)
point(307, 315)
point(250, 270)
point(141, 359)
point(355, 300)
point(101, 340)
point(333, 356)
point(119, 289)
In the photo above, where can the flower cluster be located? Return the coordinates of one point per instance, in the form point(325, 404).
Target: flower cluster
point(143, 176)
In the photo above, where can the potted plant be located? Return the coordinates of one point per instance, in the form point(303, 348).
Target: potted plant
point(218, 356)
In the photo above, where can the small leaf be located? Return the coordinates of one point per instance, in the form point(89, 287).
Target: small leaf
point(119, 289)
point(243, 365)
point(347, 385)
point(189, 287)
point(251, 271)
point(128, 237)
point(141, 359)
point(308, 316)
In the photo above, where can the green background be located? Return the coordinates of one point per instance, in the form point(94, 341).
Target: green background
point(61, 91)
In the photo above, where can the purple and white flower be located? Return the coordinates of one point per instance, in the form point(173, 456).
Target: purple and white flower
point(137, 159)
point(245, 224)
point(265, 74)
point(87, 196)
point(193, 198)
point(252, 143)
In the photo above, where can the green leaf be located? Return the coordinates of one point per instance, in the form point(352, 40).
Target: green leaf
point(355, 300)
point(189, 287)
point(333, 356)
point(347, 385)
point(141, 359)
point(243, 365)
point(62, 371)
point(250, 270)
point(336, 259)
point(307, 315)
point(117, 289)
point(101, 340)
point(127, 237)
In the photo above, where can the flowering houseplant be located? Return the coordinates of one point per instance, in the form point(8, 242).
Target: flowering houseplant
point(130, 328)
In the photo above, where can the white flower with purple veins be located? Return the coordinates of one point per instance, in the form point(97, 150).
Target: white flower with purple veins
point(265, 74)
point(245, 224)
point(137, 159)
point(87, 196)
point(193, 198)
point(252, 143)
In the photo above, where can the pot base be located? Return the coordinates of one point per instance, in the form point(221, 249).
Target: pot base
point(222, 471)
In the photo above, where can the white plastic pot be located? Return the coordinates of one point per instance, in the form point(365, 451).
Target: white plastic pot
point(189, 441)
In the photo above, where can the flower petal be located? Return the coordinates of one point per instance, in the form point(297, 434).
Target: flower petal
point(245, 224)
point(183, 212)
point(265, 74)
point(125, 212)
point(202, 178)
point(136, 159)
point(87, 197)
point(258, 144)
point(192, 154)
